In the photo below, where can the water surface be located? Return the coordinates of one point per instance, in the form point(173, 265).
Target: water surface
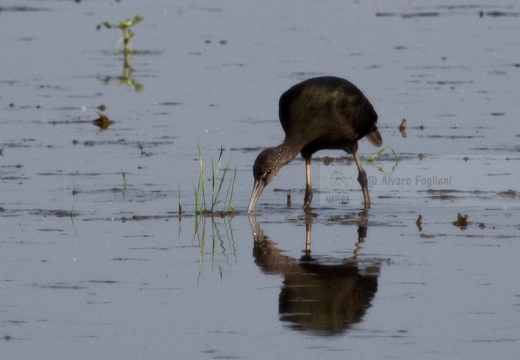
point(94, 265)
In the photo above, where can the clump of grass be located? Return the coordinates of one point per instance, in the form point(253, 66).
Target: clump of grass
point(125, 27)
point(207, 199)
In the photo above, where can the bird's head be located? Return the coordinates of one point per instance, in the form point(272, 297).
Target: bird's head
point(266, 167)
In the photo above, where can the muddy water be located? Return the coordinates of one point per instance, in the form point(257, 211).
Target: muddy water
point(95, 264)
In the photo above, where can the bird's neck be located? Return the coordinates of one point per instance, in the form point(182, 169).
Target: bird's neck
point(287, 151)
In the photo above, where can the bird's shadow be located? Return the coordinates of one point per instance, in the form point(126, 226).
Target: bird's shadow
point(322, 295)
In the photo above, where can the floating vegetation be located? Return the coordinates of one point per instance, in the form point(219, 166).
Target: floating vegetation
point(461, 222)
point(103, 122)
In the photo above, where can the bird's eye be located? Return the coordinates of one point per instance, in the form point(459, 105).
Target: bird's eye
point(266, 174)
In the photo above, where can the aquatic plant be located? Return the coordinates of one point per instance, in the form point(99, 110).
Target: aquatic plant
point(125, 27)
point(204, 202)
point(378, 154)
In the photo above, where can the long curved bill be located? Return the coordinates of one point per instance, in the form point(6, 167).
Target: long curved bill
point(255, 195)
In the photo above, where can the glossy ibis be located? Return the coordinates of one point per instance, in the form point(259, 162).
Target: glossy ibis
point(319, 113)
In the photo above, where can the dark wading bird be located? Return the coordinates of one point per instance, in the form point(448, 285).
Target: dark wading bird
point(317, 114)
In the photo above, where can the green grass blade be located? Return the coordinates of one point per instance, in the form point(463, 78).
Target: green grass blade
point(376, 155)
point(202, 179)
point(214, 179)
point(229, 194)
point(221, 182)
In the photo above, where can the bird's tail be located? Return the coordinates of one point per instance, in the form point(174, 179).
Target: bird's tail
point(374, 137)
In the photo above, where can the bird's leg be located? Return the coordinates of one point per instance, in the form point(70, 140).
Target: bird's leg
point(308, 186)
point(362, 179)
point(308, 235)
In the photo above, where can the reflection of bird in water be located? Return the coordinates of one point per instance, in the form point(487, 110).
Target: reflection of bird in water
point(317, 114)
point(319, 295)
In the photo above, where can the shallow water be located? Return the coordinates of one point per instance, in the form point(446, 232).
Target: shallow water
point(126, 277)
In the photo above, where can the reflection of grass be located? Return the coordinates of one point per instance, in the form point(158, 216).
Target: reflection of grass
point(378, 154)
point(72, 210)
point(204, 202)
point(125, 79)
point(219, 250)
